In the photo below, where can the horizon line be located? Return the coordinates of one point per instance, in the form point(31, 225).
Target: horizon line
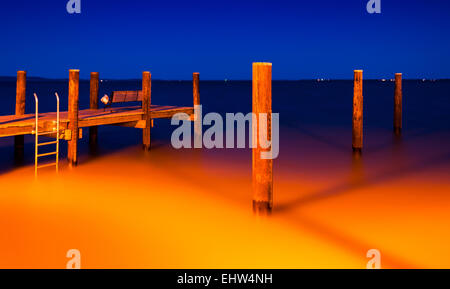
point(225, 79)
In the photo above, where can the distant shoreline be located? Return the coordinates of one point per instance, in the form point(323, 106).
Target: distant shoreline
point(33, 78)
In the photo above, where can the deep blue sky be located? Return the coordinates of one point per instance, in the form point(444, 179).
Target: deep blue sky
point(220, 39)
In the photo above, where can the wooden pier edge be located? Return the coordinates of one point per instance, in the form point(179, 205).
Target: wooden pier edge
point(262, 169)
point(72, 144)
point(357, 131)
point(19, 140)
point(93, 104)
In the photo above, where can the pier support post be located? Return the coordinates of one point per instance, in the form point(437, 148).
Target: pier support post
point(357, 135)
point(93, 104)
point(20, 110)
point(398, 95)
point(197, 110)
point(146, 104)
point(72, 145)
point(196, 87)
point(262, 169)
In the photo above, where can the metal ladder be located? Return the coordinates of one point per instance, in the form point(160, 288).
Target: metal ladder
point(37, 133)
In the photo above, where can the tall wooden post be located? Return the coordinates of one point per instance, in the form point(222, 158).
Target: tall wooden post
point(72, 145)
point(196, 87)
point(357, 136)
point(146, 104)
point(197, 110)
point(93, 104)
point(398, 104)
point(262, 169)
point(20, 110)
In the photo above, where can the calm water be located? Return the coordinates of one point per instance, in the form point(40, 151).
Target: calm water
point(311, 107)
point(188, 202)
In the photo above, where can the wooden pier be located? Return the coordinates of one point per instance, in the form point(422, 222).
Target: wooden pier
point(73, 120)
point(131, 116)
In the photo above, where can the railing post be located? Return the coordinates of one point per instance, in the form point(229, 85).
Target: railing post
point(357, 135)
point(146, 104)
point(93, 104)
point(72, 145)
point(262, 169)
point(20, 110)
point(398, 95)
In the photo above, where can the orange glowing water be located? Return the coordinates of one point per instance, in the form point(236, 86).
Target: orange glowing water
point(192, 208)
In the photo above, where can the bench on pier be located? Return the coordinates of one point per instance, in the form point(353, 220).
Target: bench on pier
point(124, 96)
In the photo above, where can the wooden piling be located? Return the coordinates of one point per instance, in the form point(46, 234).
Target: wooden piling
point(146, 103)
point(20, 110)
point(262, 169)
point(196, 87)
point(357, 136)
point(197, 111)
point(72, 144)
point(93, 104)
point(398, 95)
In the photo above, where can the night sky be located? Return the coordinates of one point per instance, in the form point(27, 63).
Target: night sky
point(220, 39)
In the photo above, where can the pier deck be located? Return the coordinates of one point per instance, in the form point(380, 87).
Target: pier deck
point(11, 125)
point(72, 121)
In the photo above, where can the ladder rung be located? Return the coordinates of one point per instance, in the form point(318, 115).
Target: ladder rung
point(46, 154)
point(47, 143)
point(46, 165)
point(47, 132)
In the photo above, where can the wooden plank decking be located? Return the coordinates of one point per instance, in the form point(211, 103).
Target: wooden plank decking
point(11, 125)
